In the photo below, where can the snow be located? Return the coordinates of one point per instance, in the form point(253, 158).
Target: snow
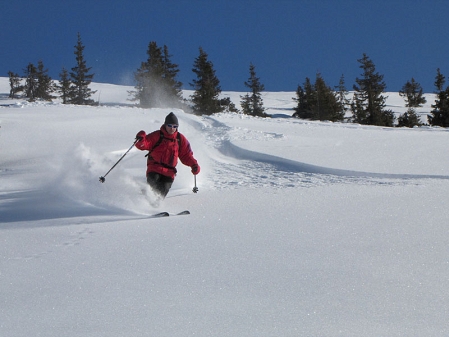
point(299, 228)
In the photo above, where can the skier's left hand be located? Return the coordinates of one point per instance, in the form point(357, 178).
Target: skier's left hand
point(195, 169)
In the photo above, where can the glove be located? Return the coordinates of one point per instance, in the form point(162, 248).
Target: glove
point(195, 169)
point(140, 135)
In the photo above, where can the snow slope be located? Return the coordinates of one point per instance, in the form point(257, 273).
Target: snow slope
point(299, 228)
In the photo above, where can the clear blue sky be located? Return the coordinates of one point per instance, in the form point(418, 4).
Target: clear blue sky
point(286, 40)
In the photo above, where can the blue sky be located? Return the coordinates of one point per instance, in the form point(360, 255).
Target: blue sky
point(286, 40)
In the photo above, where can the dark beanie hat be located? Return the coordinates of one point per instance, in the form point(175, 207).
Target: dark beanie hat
point(171, 119)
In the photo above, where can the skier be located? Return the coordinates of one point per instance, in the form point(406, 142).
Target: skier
point(165, 146)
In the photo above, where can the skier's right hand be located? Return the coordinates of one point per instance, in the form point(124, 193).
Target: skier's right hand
point(140, 135)
point(195, 169)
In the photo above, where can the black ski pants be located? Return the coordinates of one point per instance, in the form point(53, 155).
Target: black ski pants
point(159, 183)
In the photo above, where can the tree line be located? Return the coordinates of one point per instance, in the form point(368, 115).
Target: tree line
point(318, 101)
point(157, 86)
point(73, 87)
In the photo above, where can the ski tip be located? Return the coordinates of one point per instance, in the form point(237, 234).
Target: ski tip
point(183, 212)
point(159, 215)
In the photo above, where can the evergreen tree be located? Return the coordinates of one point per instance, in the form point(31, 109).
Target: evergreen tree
point(409, 119)
point(305, 99)
point(171, 70)
point(147, 76)
point(45, 85)
point(207, 87)
point(31, 82)
point(245, 103)
point(440, 112)
point(80, 79)
point(301, 103)
point(252, 104)
point(341, 95)
point(228, 106)
point(318, 102)
point(327, 104)
point(368, 106)
point(156, 80)
point(15, 84)
point(413, 94)
point(322, 98)
point(64, 86)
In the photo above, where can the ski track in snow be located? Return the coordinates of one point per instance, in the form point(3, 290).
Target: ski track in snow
point(257, 170)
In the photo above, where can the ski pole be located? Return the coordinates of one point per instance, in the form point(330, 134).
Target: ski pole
point(195, 189)
point(102, 178)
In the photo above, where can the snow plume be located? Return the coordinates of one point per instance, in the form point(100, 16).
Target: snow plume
point(157, 94)
point(120, 192)
point(72, 187)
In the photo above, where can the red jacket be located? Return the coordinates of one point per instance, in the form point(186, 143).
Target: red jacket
point(164, 157)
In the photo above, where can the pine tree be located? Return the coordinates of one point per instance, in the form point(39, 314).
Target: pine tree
point(368, 106)
point(301, 103)
point(228, 106)
point(156, 80)
point(409, 119)
point(15, 84)
point(440, 112)
point(148, 76)
point(64, 86)
point(322, 98)
point(252, 104)
point(327, 105)
point(80, 78)
point(171, 70)
point(305, 99)
point(318, 102)
point(207, 87)
point(413, 95)
point(31, 82)
point(341, 95)
point(45, 85)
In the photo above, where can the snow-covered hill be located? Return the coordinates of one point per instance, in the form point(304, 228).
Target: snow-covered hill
point(299, 228)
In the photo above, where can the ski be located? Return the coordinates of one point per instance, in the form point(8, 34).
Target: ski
point(165, 214)
point(183, 213)
point(160, 215)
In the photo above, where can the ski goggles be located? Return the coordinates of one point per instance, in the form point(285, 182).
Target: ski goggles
point(174, 126)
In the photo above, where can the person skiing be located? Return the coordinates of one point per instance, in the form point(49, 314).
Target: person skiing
point(165, 146)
